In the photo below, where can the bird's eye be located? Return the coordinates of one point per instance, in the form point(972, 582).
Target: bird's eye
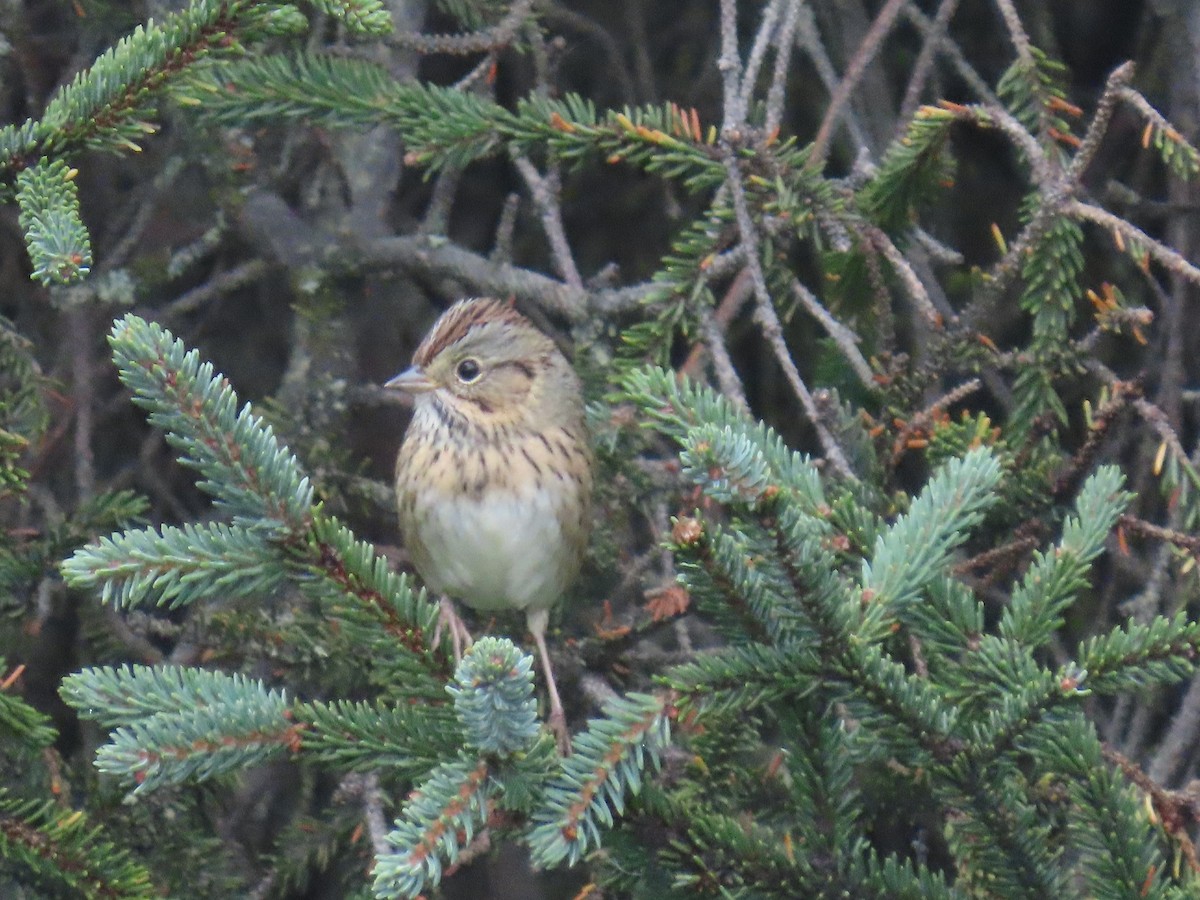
point(468, 371)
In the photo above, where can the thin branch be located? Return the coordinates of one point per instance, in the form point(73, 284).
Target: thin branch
point(866, 51)
point(487, 40)
point(768, 320)
point(845, 338)
point(808, 38)
point(976, 82)
point(1117, 82)
point(783, 58)
point(83, 397)
point(916, 290)
point(1016, 31)
point(714, 325)
point(934, 41)
point(729, 64)
point(1160, 252)
point(505, 226)
point(440, 258)
point(556, 13)
point(758, 51)
point(544, 191)
point(221, 283)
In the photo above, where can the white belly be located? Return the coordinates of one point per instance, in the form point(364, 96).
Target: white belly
point(503, 550)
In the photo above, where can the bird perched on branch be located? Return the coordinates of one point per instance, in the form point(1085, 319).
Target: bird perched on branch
point(494, 476)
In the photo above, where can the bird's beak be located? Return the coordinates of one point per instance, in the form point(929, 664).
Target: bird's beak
point(412, 381)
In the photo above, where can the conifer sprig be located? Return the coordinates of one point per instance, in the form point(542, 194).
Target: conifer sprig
point(173, 566)
point(606, 764)
point(65, 852)
point(20, 722)
point(406, 740)
point(493, 697)
point(244, 467)
point(55, 235)
point(174, 724)
point(444, 126)
point(438, 823)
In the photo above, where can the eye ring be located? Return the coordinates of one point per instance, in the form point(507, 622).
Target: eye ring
point(468, 370)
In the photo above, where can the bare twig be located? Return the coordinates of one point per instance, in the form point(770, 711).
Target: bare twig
point(1016, 31)
point(866, 51)
point(1114, 89)
point(222, 283)
point(729, 64)
point(758, 51)
point(768, 319)
point(934, 39)
point(440, 258)
point(978, 85)
point(560, 15)
point(714, 325)
point(502, 247)
point(783, 57)
point(808, 38)
point(916, 290)
point(845, 338)
point(499, 35)
point(437, 212)
point(1160, 252)
point(83, 397)
point(544, 190)
point(365, 788)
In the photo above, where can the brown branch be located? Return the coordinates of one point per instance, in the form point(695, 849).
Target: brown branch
point(1178, 811)
point(1188, 542)
point(866, 51)
point(1123, 393)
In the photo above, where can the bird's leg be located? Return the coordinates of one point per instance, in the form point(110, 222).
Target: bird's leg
point(448, 618)
point(537, 619)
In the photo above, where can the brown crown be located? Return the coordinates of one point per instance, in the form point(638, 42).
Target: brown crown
point(461, 318)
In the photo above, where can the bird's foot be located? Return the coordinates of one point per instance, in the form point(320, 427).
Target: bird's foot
point(449, 619)
point(557, 720)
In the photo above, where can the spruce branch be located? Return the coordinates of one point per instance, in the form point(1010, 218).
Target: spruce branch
point(174, 567)
point(606, 763)
point(406, 740)
point(1161, 651)
point(175, 724)
point(243, 466)
point(66, 852)
point(917, 546)
point(911, 170)
point(1035, 611)
point(493, 697)
point(104, 104)
point(20, 721)
point(358, 588)
point(439, 821)
point(444, 127)
point(1119, 856)
point(55, 235)
point(115, 696)
point(673, 406)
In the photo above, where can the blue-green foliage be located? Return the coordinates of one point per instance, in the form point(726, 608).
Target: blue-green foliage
point(442, 818)
point(251, 475)
point(174, 566)
point(57, 240)
point(606, 764)
point(174, 724)
point(493, 696)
